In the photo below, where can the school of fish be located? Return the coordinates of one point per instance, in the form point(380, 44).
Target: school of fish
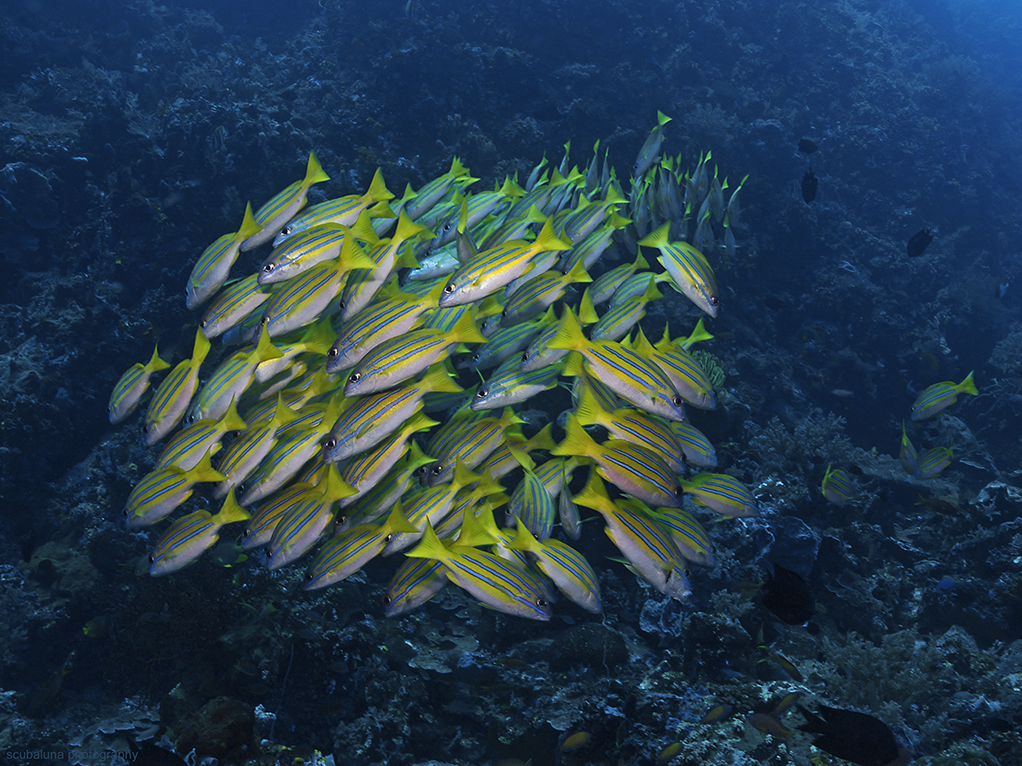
point(343, 378)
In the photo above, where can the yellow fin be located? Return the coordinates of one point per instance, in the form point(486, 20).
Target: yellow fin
point(314, 172)
point(378, 191)
point(594, 494)
point(543, 440)
point(569, 333)
point(353, 256)
point(232, 421)
point(155, 364)
point(265, 350)
point(204, 471)
point(230, 511)
point(547, 240)
point(363, 229)
point(438, 380)
point(587, 310)
point(200, 348)
point(479, 530)
point(656, 238)
point(465, 330)
point(398, 522)
point(429, 546)
point(249, 227)
point(577, 274)
point(967, 386)
point(524, 540)
point(523, 458)
point(576, 441)
point(588, 410)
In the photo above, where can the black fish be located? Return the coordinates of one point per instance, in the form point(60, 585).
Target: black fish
point(809, 184)
point(856, 737)
point(807, 146)
point(151, 755)
point(787, 596)
point(919, 242)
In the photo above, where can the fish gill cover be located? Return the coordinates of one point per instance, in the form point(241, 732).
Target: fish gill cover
point(132, 139)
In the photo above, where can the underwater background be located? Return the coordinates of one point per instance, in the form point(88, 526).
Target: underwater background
point(132, 136)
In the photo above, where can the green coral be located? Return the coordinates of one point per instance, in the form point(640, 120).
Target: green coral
point(712, 367)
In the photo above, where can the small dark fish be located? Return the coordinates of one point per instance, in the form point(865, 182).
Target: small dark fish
point(574, 741)
point(717, 713)
point(785, 664)
point(767, 724)
point(218, 140)
point(856, 737)
point(97, 627)
point(669, 752)
point(919, 242)
point(936, 505)
point(786, 703)
point(807, 146)
point(151, 755)
point(787, 596)
point(809, 184)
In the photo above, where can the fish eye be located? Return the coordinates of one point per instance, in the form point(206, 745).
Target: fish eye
point(503, 314)
point(330, 443)
point(679, 493)
point(438, 469)
point(203, 324)
point(677, 401)
point(355, 377)
point(525, 357)
point(714, 300)
point(481, 393)
point(333, 352)
point(387, 600)
point(541, 602)
point(476, 357)
point(267, 268)
point(286, 231)
point(388, 538)
point(152, 559)
point(449, 288)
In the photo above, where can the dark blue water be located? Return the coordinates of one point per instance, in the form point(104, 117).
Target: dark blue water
point(131, 136)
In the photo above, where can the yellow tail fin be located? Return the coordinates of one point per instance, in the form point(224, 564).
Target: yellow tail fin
point(576, 441)
point(569, 333)
point(314, 172)
point(230, 511)
point(378, 191)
